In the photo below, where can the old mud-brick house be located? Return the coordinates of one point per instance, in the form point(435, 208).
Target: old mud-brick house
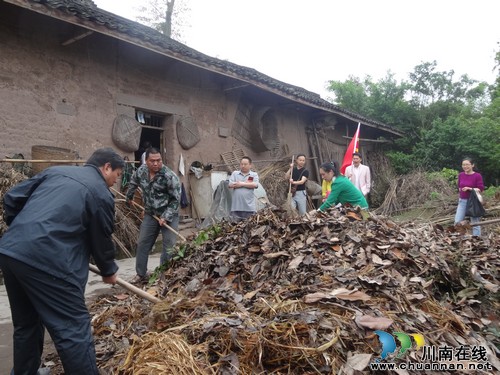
point(78, 77)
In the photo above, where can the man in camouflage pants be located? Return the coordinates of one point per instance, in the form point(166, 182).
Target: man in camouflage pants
point(161, 193)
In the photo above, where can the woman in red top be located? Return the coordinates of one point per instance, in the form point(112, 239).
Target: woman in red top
point(468, 180)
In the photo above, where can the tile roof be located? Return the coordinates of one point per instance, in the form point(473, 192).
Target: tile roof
point(89, 15)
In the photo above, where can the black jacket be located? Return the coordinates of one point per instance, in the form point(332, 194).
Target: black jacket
point(59, 218)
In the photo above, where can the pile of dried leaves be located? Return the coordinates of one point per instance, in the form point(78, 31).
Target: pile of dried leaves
point(305, 297)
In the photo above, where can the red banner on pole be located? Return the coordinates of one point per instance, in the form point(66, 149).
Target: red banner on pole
point(353, 147)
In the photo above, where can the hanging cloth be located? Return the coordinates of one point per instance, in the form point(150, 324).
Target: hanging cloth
point(184, 198)
point(182, 171)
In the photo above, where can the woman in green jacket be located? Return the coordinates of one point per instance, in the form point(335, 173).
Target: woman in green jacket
point(343, 191)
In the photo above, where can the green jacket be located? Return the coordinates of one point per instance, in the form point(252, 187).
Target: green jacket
point(343, 191)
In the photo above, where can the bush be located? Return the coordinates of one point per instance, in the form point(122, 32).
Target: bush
point(447, 174)
point(491, 191)
point(401, 162)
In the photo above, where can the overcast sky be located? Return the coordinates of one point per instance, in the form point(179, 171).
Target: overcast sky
point(307, 43)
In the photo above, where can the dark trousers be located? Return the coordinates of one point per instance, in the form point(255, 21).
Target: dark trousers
point(238, 216)
point(38, 300)
point(147, 237)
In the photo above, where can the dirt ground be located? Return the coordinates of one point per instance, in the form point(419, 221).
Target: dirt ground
point(95, 287)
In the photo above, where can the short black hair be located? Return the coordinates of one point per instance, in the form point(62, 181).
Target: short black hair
point(357, 154)
point(152, 150)
point(105, 155)
point(248, 158)
point(299, 155)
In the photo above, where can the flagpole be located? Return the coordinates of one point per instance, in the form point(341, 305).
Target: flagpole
point(356, 142)
point(351, 149)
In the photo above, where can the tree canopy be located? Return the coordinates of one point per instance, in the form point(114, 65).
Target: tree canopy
point(165, 16)
point(445, 118)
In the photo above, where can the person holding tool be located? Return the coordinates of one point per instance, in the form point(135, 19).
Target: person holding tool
point(161, 193)
point(57, 220)
point(297, 176)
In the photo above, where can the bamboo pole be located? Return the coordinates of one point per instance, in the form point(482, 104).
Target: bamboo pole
point(317, 142)
point(79, 161)
point(193, 203)
point(156, 217)
point(42, 161)
point(313, 151)
point(215, 165)
point(121, 246)
point(128, 286)
point(486, 222)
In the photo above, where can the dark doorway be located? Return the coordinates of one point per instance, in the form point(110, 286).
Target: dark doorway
point(152, 132)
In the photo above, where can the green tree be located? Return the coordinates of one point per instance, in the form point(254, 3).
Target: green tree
point(495, 91)
point(387, 102)
point(445, 119)
point(166, 16)
point(383, 100)
point(466, 123)
point(451, 140)
point(351, 94)
point(437, 95)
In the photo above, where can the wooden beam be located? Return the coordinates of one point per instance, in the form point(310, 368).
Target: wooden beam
point(78, 37)
point(42, 161)
point(370, 140)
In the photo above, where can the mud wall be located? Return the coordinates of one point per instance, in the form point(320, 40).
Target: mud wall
point(69, 95)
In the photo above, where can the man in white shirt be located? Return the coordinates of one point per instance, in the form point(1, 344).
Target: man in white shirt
point(145, 146)
point(359, 174)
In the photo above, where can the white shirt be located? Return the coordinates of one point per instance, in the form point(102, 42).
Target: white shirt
point(360, 177)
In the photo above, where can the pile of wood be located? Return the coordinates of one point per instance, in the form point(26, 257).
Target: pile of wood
point(305, 297)
point(8, 178)
point(272, 178)
point(127, 223)
point(127, 220)
point(419, 191)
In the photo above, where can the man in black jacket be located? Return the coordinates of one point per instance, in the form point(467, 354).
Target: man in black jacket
point(57, 220)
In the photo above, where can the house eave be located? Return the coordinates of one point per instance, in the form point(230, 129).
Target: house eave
point(145, 38)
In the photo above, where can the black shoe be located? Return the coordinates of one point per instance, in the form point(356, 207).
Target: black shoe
point(139, 280)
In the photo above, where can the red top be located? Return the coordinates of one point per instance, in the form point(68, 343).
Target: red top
point(474, 180)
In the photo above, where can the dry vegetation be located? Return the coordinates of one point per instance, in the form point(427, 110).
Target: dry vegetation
point(8, 178)
point(277, 296)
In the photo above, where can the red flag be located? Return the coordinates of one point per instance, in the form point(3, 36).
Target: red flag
point(353, 147)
